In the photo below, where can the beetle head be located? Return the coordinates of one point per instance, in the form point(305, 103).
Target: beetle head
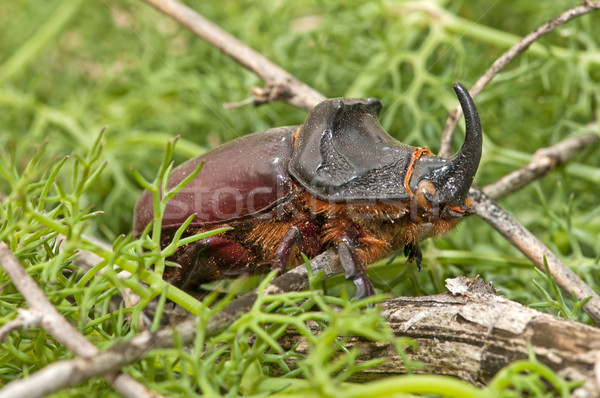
point(442, 184)
point(343, 154)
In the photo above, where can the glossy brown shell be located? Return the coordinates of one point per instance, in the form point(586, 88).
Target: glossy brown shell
point(341, 154)
point(242, 178)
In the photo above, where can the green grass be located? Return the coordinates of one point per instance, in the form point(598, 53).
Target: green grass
point(68, 68)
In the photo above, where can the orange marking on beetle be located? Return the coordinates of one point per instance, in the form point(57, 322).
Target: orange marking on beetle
point(416, 155)
point(458, 209)
point(296, 137)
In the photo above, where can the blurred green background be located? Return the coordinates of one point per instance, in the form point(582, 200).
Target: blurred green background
point(70, 67)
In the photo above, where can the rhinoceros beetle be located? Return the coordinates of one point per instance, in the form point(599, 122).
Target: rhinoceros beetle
point(337, 181)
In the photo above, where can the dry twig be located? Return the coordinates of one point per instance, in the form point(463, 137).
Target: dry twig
point(25, 319)
point(43, 314)
point(280, 84)
point(544, 161)
point(523, 44)
point(535, 250)
point(74, 371)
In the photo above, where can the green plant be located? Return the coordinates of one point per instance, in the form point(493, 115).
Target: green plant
point(149, 79)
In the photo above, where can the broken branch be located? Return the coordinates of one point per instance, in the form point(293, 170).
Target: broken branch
point(280, 85)
point(43, 314)
point(544, 160)
point(500, 63)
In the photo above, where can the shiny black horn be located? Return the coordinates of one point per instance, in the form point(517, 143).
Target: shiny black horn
point(453, 177)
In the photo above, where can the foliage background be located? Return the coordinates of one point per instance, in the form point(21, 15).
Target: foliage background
point(69, 67)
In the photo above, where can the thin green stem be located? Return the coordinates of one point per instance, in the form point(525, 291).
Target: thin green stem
point(444, 386)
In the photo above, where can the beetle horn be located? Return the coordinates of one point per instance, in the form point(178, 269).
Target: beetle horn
point(452, 177)
point(467, 158)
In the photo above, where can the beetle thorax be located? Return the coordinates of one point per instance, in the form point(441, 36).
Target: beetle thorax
point(380, 227)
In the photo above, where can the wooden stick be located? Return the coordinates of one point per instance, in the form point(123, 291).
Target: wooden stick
point(472, 333)
point(500, 63)
point(535, 250)
point(281, 85)
point(43, 314)
point(544, 160)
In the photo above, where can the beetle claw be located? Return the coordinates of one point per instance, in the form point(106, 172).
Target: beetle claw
point(277, 266)
point(364, 288)
point(354, 270)
point(413, 252)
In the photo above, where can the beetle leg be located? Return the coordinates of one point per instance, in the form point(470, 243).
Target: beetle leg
point(303, 234)
point(282, 253)
point(413, 252)
point(188, 272)
point(354, 269)
point(207, 260)
point(228, 256)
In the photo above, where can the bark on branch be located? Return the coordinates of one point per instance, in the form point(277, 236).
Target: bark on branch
point(535, 250)
point(544, 160)
point(472, 335)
